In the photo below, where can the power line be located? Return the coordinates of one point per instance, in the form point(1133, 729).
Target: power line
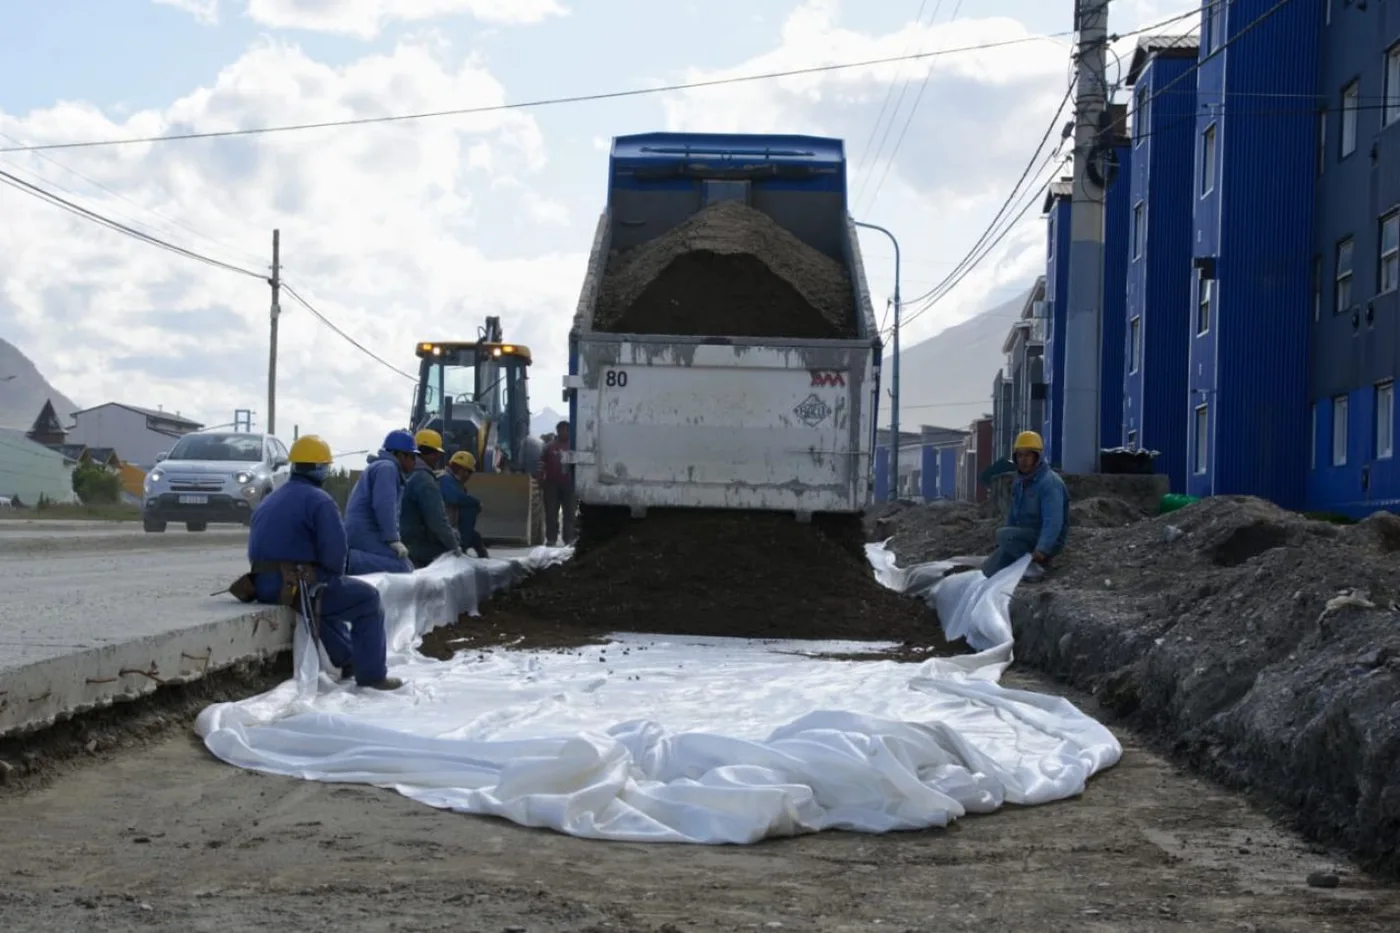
point(889, 91)
point(544, 102)
point(351, 340)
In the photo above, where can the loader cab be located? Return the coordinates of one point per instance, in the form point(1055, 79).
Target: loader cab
point(476, 396)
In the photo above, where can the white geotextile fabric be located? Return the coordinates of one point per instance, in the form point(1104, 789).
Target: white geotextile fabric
point(666, 739)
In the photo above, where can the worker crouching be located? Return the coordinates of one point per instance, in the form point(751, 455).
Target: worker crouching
point(1038, 520)
point(462, 507)
point(372, 513)
point(423, 517)
point(296, 539)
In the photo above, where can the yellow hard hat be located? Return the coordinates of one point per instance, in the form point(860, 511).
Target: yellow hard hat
point(310, 449)
point(428, 438)
point(463, 459)
point(1029, 440)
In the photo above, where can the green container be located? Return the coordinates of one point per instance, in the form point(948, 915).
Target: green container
point(1173, 501)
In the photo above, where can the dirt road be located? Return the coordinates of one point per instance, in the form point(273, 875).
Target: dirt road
point(166, 838)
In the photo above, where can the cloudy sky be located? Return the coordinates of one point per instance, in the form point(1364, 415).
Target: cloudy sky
point(417, 229)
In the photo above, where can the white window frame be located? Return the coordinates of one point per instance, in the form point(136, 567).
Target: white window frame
point(1141, 111)
point(1385, 419)
point(1389, 267)
point(1135, 343)
point(1202, 434)
point(1391, 113)
point(1139, 228)
point(1132, 440)
point(1344, 278)
point(1351, 100)
point(1205, 305)
point(1341, 408)
point(1208, 140)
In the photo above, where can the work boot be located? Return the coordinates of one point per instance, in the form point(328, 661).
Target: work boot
point(388, 683)
point(347, 672)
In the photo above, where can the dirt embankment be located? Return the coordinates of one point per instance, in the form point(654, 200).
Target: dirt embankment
point(1261, 647)
point(728, 270)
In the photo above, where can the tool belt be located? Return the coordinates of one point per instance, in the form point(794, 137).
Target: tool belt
point(294, 575)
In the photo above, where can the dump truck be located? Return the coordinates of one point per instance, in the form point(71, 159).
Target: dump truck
point(476, 395)
point(724, 353)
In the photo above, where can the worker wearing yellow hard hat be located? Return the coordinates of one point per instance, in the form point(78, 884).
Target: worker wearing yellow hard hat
point(1037, 524)
point(297, 530)
point(462, 507)
point(427, 533)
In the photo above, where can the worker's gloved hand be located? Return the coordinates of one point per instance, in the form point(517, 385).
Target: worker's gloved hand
point(1039, 558)
point(399, 549)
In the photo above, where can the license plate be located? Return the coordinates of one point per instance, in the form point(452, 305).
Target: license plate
point(194, 500)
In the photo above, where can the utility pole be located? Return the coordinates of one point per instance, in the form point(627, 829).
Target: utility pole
point(1079, 421)
point(894, 389)
point(276, 282)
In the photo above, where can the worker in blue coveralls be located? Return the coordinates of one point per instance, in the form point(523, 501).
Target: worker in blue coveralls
point(372, 514)
point(1038, 521)
point(463, 507)
point(423, 516)
point(299, 524)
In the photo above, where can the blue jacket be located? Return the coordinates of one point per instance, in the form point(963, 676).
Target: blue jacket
point(298, 522)
point(372, 513)
point(1040, 502)
point(468, 506)
point(423, 518)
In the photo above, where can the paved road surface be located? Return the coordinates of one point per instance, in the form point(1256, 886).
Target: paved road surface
point(24, 537)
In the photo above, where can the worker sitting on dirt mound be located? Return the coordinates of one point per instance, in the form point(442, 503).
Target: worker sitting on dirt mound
point(423, 516)
point(462, 506)
point(297, 530)
point(1038, 521)
point(372, 514)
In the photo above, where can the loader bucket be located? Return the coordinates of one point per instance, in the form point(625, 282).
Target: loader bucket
point(512, 509)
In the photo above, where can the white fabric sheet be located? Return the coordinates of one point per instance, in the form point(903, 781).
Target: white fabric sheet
point(665, 739)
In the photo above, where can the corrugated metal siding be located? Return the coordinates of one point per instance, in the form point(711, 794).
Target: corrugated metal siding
point(1355, 347)
point(1057, 293)
point(1159, 284)
point(1258, 335)
point(1117, 249)
point(948, 471)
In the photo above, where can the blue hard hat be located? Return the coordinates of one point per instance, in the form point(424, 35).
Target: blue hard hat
point(401, 442)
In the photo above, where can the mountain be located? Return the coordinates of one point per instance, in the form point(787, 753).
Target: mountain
point(544, 421)
point(944, 379)
point(23, 391)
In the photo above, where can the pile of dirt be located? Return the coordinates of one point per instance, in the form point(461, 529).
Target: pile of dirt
point(1261, 646)
point(728, 270)
point(742, 575)
point(940, 530)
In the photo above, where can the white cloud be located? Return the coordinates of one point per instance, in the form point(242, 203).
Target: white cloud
point(365, 19)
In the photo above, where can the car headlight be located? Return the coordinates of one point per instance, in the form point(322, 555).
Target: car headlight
point(153, 477)
point(243, 478)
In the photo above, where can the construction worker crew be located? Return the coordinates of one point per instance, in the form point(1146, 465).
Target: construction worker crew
point(423, 515)
point(1038, 520)
point(299, 523)
point(372, 513)
point(462, 506)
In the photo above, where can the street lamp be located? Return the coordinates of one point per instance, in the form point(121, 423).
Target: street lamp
point(894, 387)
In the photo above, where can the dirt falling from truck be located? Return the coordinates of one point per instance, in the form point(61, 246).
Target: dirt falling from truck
point(727, 271)
point(738, 575)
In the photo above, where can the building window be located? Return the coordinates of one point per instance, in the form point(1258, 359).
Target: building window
point(1351, 97)
point(1385, 420)
point(1205, 288)
point(1322, 142)
point(1342, 297)
point(1208, 160)
point(1140, 112)
point(1139, 228)
point(1202, 436)
point(1132, 440)
point(1390, 251)
point(1339, 430)
point(1135, 344)
point(1392, 84)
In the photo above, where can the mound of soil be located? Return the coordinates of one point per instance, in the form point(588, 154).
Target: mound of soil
point(940, 530)
point(742, 575)
point(728, 270)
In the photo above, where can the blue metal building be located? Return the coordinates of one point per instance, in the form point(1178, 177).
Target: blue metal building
point(1057, 202)
point(1248, 385)
point(1156, 318)
point(1118, 211)
point(1355, 292)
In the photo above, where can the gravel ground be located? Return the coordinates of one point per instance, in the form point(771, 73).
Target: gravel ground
point(162, 837)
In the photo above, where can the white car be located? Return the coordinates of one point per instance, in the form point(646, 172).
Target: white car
point(213, 476)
